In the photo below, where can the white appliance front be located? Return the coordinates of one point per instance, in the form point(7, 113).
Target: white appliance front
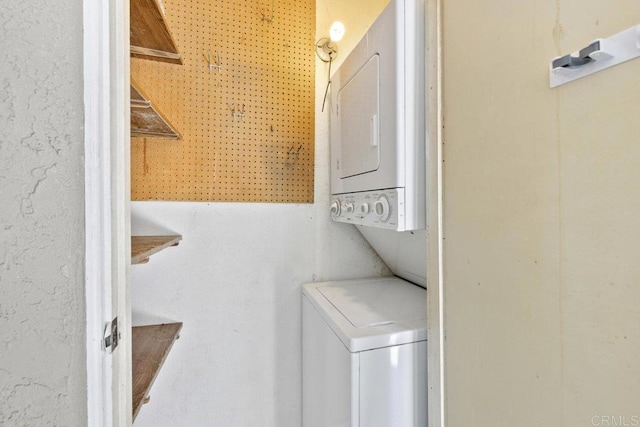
point(364, 354)
point(377, 124)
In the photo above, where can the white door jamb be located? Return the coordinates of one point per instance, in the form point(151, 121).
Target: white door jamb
point(106, 206)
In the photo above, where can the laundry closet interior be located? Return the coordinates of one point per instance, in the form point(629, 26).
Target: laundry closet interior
point(231, 199)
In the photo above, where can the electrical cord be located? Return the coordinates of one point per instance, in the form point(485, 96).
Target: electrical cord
point(326, 91)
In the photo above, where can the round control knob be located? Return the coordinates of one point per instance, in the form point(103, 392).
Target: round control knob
point(364, 208)
point(335, 208)
point(382, 209)
point(348, 207)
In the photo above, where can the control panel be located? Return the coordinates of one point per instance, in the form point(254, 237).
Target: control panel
point(382, 209)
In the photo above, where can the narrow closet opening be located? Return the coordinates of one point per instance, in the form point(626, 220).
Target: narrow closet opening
point(222, 118)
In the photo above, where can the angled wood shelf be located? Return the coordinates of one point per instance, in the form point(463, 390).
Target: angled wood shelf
point(142, 247)
point(146, 120)
point(150, 34)
point(150, 346)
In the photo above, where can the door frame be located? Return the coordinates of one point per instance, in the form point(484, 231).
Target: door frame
point(107, 217)
point(107, 212)
point(436, 351)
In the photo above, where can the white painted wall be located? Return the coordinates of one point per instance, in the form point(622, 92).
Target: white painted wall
point(42, 333)
point(235, 283)
point(541, 203)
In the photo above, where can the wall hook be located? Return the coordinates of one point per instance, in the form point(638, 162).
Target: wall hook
point(217, 65)
point(237, 114)
point(294, 153)
point(598, 55)
point(265, 18)
point(577, 60)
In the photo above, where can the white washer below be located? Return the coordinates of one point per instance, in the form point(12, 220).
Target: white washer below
point(364, 353)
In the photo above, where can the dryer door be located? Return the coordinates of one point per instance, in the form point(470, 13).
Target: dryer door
point(358, 113)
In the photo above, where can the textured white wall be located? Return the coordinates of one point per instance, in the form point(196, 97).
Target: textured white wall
point(235, 283)
point(42, 340)
point(541, 218)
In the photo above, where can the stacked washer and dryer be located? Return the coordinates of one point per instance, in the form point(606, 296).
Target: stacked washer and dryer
point(364, 341)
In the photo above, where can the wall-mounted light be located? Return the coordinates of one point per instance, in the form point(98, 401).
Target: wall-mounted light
point(326, 47)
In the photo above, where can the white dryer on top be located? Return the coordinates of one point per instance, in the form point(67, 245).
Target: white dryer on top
point(378, 125)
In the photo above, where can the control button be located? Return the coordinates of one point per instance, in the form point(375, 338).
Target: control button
point(335, 208)
point(364, 208)
point(349, 208)
point(382, 208)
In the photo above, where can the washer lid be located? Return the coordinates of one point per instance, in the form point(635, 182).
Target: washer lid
point(366, 314)
point(378, 303)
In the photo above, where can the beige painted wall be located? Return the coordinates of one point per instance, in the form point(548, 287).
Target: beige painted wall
point(541, 218)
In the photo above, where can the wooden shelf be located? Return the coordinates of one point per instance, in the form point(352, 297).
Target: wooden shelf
point(146, 120)
point(150, 346)
point(150, 35)
point(142, 247)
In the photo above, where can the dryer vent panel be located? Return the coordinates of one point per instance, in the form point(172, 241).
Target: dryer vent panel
point(247, 127)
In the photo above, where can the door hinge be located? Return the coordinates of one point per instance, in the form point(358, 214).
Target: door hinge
point(111, 336)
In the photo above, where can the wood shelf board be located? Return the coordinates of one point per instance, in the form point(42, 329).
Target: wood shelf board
point(148, 121)
point(142, 247)
point(150, 35)
point(137, 52)
point(150, 346)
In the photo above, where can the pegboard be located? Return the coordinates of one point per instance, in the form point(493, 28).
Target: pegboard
point(269, 67)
